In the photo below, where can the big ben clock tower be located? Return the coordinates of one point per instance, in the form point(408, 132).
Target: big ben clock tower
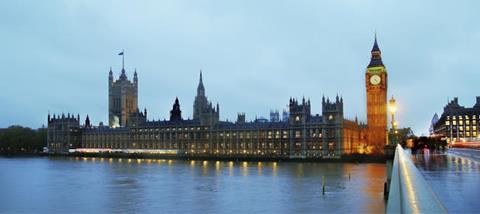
point(376, 85)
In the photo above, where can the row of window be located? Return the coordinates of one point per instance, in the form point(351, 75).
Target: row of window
point(220, 135)
point(460, 117)
point(466, 134)
point(214, 147)
point(460, 122)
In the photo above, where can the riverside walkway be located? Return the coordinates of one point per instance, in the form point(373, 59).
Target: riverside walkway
point(409, 191)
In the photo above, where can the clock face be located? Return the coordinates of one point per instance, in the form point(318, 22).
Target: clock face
point(375, 79)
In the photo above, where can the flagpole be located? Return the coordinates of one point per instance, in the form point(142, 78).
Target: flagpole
point(123, 58)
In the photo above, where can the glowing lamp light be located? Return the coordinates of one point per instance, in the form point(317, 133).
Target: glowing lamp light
point(392, 105)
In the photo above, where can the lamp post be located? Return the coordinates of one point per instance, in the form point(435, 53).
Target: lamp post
point(393, 108)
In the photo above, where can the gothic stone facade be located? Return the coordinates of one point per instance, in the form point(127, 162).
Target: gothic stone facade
point(299, 134)
point(376, 85)
point(303, 135)
point(122, 98)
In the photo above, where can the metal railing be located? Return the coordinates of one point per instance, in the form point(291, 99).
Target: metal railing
point(409, 191)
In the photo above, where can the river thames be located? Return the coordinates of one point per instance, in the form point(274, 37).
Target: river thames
point(66, 185)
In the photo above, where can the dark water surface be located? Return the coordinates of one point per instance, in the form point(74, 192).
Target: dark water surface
point(65, 185)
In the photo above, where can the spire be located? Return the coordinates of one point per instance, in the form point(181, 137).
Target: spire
point(375, 44)
point(87, 121)
point(376, 59)
point(135, 76)
point(200, 88)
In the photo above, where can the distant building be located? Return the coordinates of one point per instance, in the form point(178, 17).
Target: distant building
point(376, 82)
point(285, 116)
point(203, 111)
point(64, 133)
point(458, 123)
point(122, 98)
point(274, 116)
point(302, 135)
point(299, 134)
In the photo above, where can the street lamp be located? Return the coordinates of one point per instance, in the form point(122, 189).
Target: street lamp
point(393, 108)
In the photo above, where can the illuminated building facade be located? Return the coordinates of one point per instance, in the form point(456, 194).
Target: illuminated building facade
point(298, 134)
point(376, 84)
point(458, 123)
point(302, 135)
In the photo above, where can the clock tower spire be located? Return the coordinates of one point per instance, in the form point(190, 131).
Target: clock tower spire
point(376, 86)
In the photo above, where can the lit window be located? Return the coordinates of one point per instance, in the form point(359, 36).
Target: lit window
point(447, 123)
point(297, 118)
point(297, 134)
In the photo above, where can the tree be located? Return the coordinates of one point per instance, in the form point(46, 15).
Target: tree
point(18, 139)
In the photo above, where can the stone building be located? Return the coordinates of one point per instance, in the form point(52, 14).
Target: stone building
point(376, 80)
point(301, 135)
point(64, 133)
point(122, 98)
point(298, 135)
point(203, 111)
point(458, 123)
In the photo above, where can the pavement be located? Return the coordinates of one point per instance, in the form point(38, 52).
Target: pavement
point(473, 154)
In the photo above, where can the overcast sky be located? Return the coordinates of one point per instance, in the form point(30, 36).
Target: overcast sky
point(55, 55)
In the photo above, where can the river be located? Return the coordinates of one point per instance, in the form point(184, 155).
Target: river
point(105, 185)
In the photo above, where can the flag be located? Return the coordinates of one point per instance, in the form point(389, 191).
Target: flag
point(121, 53)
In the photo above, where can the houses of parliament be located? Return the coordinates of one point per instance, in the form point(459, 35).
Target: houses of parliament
point(298, 134)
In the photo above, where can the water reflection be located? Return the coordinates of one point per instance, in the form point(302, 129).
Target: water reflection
point(159, 185)
point(453, 178)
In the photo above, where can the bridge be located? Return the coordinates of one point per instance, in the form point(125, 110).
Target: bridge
point(409, 192)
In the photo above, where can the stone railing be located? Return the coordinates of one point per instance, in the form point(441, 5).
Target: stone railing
point(409, 192)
